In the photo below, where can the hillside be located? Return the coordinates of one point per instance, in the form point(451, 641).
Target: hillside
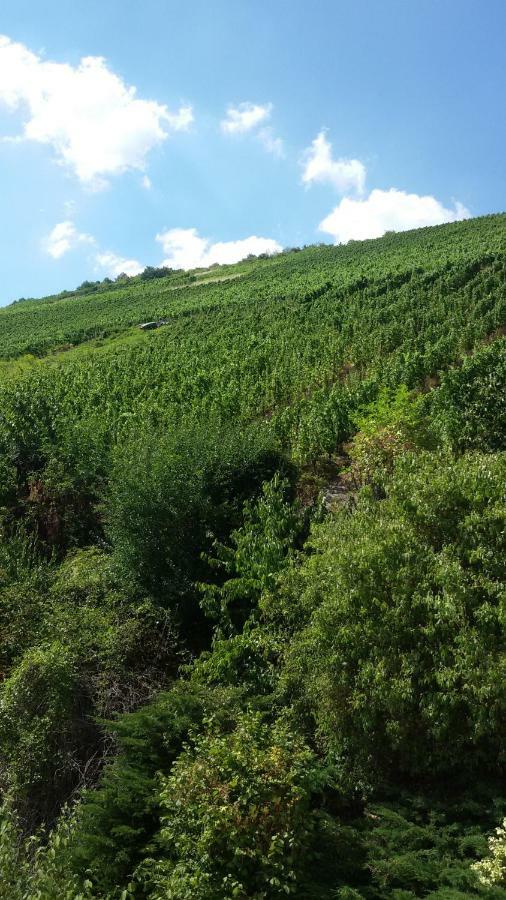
point(252, 577)
point(38, 326)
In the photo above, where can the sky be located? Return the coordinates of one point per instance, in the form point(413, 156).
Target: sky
point(178, 133)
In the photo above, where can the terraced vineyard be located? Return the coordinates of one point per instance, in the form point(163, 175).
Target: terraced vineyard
point(292, 340)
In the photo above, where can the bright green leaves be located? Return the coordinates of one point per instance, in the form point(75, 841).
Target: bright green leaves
point(469, 409)
point(402, 665)
point(259, 549)
point(239, 818)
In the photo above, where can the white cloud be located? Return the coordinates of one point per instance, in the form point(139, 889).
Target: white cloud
point(344, 174)
point(245, 117)
point(185, 249)
point(94, 122)
point(65, 237)
point(271, 143)
point(146, 182)
point(383, 211)
point(114, 265)
point(179, 121)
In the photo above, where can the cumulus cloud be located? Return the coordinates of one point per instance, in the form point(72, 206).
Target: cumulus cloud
point(64, 237)
point(245, 117)
point(185, 249)
point(383, 211)
point(113, 265)
point(344, 174)
point(94, 122)
point(358, 217)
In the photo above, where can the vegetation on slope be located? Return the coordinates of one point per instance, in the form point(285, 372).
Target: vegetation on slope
point(216, 685)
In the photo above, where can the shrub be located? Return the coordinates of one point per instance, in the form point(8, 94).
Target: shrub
point(169, 492)
point(38, 868)
point(238, 818)
point(420, 847)
point(46, 735)
point(260, 547)
point(492, 869)
point(119, 818)
point(388, 427)
point(401, 667)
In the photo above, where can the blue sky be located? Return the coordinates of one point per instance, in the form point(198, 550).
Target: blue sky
point(139, 133)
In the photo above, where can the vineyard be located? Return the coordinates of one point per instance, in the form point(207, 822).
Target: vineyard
point(252, 578)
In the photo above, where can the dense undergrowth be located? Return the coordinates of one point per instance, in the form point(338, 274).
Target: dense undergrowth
point(215, 682)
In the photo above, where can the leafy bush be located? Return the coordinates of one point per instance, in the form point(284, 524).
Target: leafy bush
point(402, 664)
point(422, 847)
point(388, 427)
point(238, 818)
point(119, 818)
point(46, 735)
point(126, 647)
point(492, 869)
point(168, 493)
point(260, 547)
point(38, 868)
point(95, 647)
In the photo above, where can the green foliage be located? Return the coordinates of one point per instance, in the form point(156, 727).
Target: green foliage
point(157, 515)
point(151, 272)
point(260, 547)
point(38, 868)
point(402, 663)
point(24, 580)
point(419, 847)
point(388, 427)
point(469, 409)
point(95, 647)
point(167, 495)
point(248, 660)
point(119, 819)
point(238, 818)
point(124, 644)
point(146, 476)
point(44, 728)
